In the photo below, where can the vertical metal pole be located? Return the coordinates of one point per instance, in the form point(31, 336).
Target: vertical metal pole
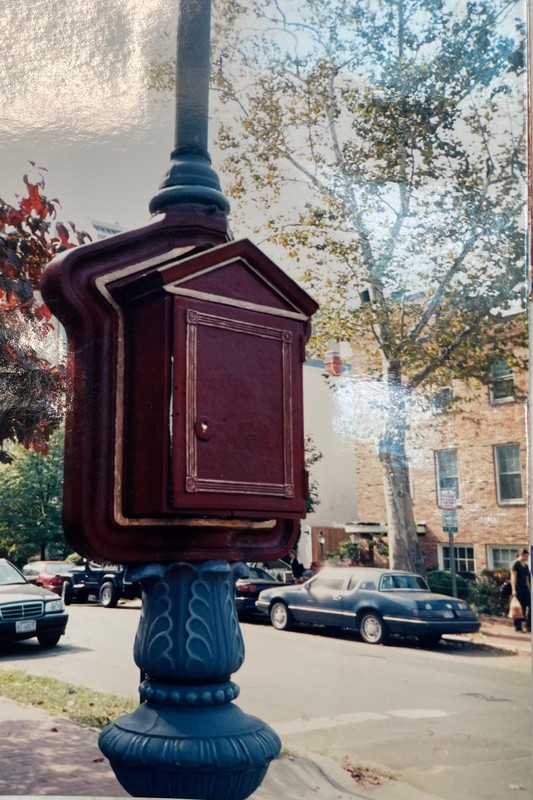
point(191, 180)
point(187, 739)
point(451, 545)
point(192, 73)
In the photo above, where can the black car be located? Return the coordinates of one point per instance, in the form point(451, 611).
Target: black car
point(376, 602)
point(84, 580)
point(247, 590)
point(279, 569)
point(28, 611)
point(108, 583)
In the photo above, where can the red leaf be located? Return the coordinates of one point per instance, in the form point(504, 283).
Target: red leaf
point(63, 233)
point(15, 217)
point(43, 312)
point(11, 354)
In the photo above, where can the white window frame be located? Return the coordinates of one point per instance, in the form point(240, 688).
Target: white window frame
point(502, 563)
point(498, 474)
point(465, 558)
point(454, 478)
point(502, 376)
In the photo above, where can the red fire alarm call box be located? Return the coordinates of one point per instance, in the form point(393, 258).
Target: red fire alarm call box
point(185, 421)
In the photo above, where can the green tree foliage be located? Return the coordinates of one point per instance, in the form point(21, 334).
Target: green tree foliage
point(312, 456)
point(31, 388)
point(384, 141)
point(31, 492)
point(401, 123)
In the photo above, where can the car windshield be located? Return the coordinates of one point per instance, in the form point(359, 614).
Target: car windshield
point(8, 575)
point(256, 574)
point(393, 583)
point(58, 569)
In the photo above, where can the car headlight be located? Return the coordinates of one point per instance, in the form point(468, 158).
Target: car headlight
point(53, 607)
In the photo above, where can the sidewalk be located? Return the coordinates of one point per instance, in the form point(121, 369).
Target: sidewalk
point(44, 755)
point(499, 632)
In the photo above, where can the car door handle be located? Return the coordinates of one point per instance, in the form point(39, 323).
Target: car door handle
point(336, 597)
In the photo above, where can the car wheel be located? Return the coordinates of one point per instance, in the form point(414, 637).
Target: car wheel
point(430, 639)
point(372, 628)
point(48, 641)
point(108, 595)
point(280, 617)
point(82, 596)
point(67, 593)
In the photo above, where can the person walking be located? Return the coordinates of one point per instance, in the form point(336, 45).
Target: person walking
point(521, 588)
point(297, 568)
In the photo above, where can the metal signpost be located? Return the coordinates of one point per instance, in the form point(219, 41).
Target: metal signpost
point(448, 504)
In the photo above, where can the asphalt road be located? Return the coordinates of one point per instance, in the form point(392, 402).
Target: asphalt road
point(454, 721)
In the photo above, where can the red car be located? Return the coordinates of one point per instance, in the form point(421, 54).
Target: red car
point(50, 575)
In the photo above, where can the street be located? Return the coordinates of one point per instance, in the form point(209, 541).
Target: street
point(454, 721)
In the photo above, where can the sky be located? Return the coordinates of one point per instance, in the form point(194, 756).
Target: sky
point(75, 100)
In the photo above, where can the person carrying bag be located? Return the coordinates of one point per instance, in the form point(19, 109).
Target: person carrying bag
point(520, 604)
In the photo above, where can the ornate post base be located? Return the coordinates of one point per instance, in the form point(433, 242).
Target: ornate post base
point(187, 739)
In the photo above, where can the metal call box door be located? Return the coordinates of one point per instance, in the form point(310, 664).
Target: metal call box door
point(185, 435)
point(237, 418)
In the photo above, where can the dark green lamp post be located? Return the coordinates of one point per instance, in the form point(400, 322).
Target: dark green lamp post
point(187, 739)
point(191, 179)
point(184, 448)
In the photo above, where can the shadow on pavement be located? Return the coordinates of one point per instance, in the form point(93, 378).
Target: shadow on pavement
point(32, 649)
point(452, 646)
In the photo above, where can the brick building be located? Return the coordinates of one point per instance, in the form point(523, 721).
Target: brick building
point(479, 450)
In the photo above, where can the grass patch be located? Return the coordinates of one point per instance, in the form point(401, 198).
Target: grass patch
point(77, 703)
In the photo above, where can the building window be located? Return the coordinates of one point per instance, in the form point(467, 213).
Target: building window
point(464, 558)
point(442, 400)
point(501, 557)
point(501, 382)
point(447, 477)
point(508, 473)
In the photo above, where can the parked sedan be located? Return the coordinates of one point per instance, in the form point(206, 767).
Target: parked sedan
point(27, 610)
point(247, 590)
point(375, 602)
point(48, 574)
point(278, 569)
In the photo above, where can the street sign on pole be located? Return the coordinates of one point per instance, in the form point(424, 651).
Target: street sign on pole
point(448, 499)
point(449, 522)
point(448, 504)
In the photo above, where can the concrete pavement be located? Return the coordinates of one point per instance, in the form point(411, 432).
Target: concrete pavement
point(44, 755)
point(52, 756)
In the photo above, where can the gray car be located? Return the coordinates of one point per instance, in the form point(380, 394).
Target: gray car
point(375, 602)
point(28, 611)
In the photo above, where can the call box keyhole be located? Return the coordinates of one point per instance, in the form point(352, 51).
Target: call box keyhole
point(202, 428)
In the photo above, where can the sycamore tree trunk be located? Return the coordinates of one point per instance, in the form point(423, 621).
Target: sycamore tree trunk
point(404, 549)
